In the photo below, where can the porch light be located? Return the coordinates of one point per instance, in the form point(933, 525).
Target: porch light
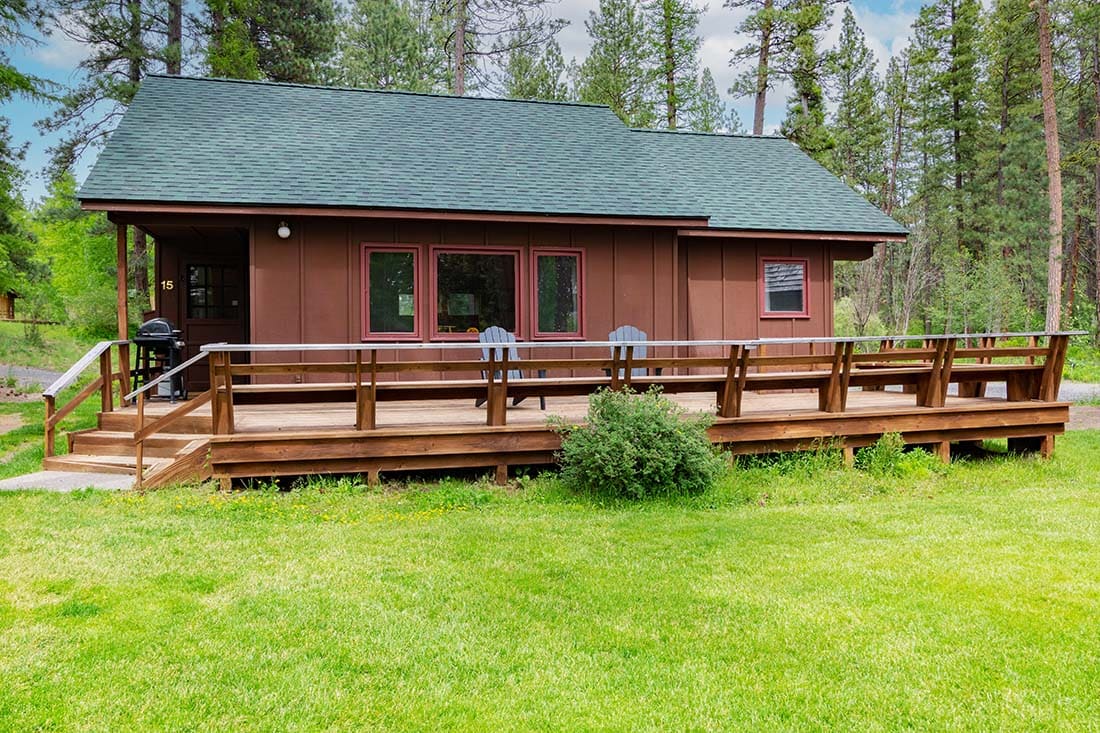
point(283, 231)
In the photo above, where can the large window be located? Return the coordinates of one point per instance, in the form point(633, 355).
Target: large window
point(557, 294)
point(390, 305)
point(475, 290)
point(784, 287)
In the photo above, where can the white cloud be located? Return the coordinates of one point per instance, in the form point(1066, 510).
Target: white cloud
point(60, 52)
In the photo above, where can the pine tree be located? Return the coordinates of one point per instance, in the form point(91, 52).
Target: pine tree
point(280, 40)
point(708, 113)
point(481, 34)
point(805, 120)
point(768, 27)
point(536, 74)
point(858, 127)
point(384, 45)
point(1054, 170)
point(616, 72)
point(672, 32)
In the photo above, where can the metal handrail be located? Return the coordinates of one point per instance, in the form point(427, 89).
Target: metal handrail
point(78, 368)
point(169, 374)
point(477, 345)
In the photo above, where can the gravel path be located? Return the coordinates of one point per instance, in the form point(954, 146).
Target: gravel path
point(29, 376)
point(1069, 392)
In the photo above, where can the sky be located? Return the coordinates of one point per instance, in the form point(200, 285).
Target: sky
point(886, 23)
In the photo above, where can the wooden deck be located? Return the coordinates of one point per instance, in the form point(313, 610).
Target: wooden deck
point(363, 426)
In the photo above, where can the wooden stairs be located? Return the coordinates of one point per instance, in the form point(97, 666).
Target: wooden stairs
point(109, 448)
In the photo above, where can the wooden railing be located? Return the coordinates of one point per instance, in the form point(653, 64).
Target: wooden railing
point(923, 365)
point(104, 383)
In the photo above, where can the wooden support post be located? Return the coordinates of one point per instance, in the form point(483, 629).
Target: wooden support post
point(846, 374)
point(225, 483)
point(501, 476)
point(227, 412)
point(1046, 448)
point(50, 428)
point(497, 409)
point(374, 477)
point(943, 451)
point(828, 398)
point(121, 282)
point(106, 389)
point(728, 406)
point(628, 368)
point(849, 456)
point(1032, 342)
point(372, 396)
point(928, 393)
point(139, 445)
point(615, 367)
point(123, 373)
point(490, 388)
point(358, 390)
point(215, 392)
point(1052, 368)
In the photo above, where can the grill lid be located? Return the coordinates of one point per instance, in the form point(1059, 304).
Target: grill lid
point(158, 328)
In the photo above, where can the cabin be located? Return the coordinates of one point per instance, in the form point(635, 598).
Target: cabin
point(7, 305)
point(341, 249)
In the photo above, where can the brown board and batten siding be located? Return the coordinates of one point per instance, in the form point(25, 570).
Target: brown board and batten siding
point(307, 288)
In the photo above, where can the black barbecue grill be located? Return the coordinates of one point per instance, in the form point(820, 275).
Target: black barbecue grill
point(159, 349)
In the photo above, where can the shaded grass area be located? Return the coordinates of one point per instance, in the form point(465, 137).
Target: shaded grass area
point(794, 595)
point(58, 349)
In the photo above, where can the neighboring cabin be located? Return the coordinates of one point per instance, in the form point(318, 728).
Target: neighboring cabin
point(290, 214)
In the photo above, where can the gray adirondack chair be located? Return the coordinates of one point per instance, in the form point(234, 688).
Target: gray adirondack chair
point(630, 333)
point(497, 335)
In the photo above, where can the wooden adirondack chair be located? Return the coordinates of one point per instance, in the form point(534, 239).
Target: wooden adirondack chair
point(630, 333)
point(497, 335)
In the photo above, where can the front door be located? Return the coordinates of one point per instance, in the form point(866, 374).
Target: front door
point(210, 302)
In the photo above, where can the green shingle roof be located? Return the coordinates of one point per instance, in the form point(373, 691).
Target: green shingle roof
point(213, 141)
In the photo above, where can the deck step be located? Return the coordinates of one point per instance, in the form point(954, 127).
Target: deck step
point(126, 421)
point(118, 443)
point(100, 464)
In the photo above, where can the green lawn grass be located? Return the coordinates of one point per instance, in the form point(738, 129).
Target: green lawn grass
point(793, 596)
point(58, 349)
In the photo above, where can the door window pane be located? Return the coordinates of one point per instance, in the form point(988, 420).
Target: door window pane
point(558, 282)
point(392, 292)
point(475, 291)
point(213, 292)
point(785, 287)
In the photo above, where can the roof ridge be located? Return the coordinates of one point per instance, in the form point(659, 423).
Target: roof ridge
point(404, 92)
point(709, 134)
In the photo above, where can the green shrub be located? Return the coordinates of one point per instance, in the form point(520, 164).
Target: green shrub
point(888, 457)
point(637, 446)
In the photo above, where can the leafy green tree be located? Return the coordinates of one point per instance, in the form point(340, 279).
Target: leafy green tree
point(616, 72)
point(278, 40)
point(673, 36)
point(80, 249)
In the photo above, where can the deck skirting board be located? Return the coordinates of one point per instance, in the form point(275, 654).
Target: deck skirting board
point(425, 448)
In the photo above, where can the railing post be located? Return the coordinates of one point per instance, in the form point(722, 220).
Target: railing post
point(733, 390)
point(1055, 361)
point(50, 429)
point(215, 393)
point(358, 390)
point(106, 389)
point(372, 404)
point(139, 443)
point(628, 369)
point(123, 372)
point(227, 413)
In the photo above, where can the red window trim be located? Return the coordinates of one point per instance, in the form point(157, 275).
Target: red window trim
point(364, 256)
point(805, 312)
point(433, 292)
point(537, 335)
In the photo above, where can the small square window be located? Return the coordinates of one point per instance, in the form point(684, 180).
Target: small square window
point(784, 287)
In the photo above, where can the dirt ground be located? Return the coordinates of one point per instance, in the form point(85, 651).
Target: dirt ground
point(1084, 417)
point(9, 422)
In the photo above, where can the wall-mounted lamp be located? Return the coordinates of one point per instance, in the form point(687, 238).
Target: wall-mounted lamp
point(283, 231)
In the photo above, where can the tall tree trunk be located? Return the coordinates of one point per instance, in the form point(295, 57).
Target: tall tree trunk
point(670, 74)
point(890, 199)
point(1096, 170)
point(174, 52)
point(140, 263)
point(762, 73)
point(1054, 171)
point(460, 47)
